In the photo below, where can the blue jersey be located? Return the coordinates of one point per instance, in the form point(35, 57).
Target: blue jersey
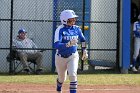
point(63, 35)
point(136, 29)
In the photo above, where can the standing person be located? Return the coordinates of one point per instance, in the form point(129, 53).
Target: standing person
point(67, 57)
point(136, 30)
point(22, 41)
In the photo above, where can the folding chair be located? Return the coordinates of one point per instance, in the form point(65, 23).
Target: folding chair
point(17, 65)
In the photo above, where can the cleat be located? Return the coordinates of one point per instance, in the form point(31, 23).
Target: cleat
point(134, 69)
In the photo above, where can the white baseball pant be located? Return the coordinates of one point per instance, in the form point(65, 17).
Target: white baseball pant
point(64, 65)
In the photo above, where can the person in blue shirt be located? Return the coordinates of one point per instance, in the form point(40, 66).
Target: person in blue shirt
point(66, 44)
point(136, 31)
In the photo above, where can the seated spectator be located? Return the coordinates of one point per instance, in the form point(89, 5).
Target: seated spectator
point(22, 41)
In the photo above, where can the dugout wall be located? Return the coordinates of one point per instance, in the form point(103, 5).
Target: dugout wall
point(41, 17)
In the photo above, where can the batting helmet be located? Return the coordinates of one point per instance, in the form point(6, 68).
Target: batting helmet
point(67, 14)
point(139, 17)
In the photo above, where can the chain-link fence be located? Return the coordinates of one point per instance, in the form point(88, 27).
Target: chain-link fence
point(40, 18)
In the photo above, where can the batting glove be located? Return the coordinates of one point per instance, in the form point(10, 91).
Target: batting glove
point(85, 55)
point(72, 42)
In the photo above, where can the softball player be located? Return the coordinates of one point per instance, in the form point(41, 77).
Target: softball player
point(136, 30)
point(67, 57)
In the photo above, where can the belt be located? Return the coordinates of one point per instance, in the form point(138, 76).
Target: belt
point(65, 56)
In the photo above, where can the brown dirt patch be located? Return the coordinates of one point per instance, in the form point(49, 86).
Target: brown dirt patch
point(45, 88)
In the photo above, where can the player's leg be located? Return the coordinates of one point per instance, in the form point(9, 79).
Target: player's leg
point(61, 67)
point(72, 71)
point(136, 52)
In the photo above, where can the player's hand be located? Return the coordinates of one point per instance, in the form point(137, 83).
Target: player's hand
point(85, 55)
point(72, 42)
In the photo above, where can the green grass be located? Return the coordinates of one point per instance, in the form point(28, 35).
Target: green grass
point(110, 79)
point(86, 79)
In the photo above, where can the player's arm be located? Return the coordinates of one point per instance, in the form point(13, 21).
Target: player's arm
point(82, 39)
point(84, 51)
point(58, 40)
point(83, 44)
point(59, 45)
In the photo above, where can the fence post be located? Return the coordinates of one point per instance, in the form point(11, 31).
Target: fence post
point(125, 35)
point(11, 37)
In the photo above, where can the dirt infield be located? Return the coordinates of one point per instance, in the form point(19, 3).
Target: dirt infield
point(43, 88)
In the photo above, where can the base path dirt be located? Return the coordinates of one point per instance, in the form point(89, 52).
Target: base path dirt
point(45, 88)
